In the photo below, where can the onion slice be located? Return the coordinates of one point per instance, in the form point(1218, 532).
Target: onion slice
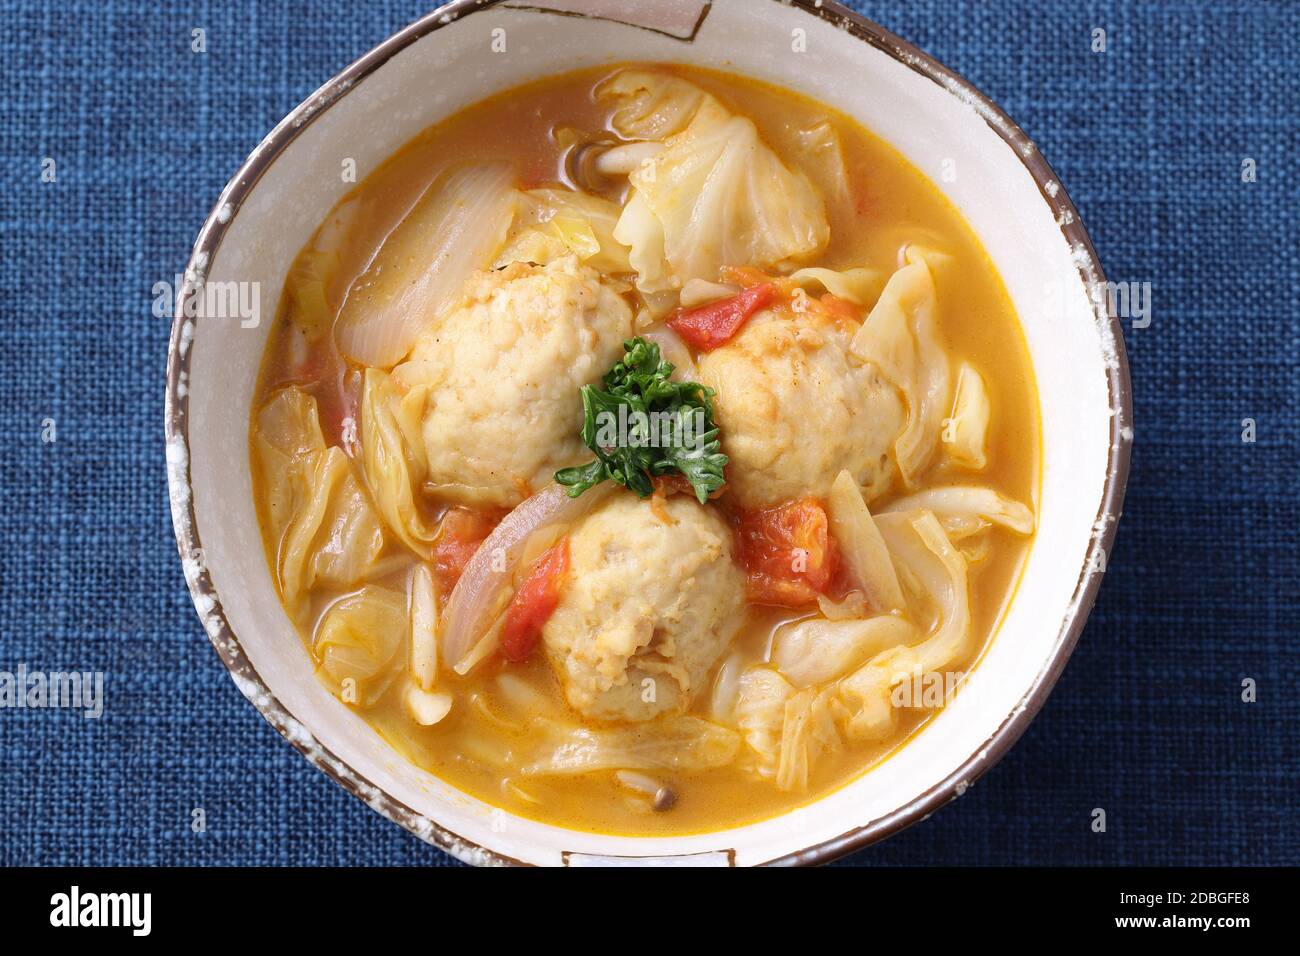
point(476, 601)
point(456, 227)
point(855, 531)
point(952, 503)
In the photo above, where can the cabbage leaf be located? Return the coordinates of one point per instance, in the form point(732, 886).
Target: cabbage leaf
point(966, 431)
point(816, 651)
point(325, 529)
point(715, 195)
point(677, 743)
point(554, 223)
point(392, 455)
point(918, 543)
point(901, 338)
point(357, 641)
point(786, 730)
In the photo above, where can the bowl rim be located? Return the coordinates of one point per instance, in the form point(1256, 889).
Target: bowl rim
point(250, 683)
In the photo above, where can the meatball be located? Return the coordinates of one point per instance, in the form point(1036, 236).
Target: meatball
point(795, 410)
point(502, 410)
point(652, 600)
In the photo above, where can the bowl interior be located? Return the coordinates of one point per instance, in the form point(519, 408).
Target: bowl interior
point(451, 65)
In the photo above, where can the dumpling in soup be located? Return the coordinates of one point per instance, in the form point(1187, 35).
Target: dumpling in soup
point(503, 369)
point(653, 598)
point(796, 410)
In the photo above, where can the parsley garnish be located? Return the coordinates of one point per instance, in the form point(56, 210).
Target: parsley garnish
point(642, 425)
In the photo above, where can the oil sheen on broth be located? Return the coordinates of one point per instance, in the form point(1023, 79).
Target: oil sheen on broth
point(888, 219)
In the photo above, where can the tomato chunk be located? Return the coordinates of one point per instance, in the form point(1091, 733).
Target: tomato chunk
point(709, 326)
point(788, 553)
point(844, 313)
point(463, 531)
point(534, 603)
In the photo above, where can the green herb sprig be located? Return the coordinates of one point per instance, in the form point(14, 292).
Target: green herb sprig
point(641, 425)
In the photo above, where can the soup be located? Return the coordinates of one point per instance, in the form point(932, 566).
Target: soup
point(655, 466)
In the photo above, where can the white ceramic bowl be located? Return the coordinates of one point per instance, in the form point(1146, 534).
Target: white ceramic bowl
point(446, 61)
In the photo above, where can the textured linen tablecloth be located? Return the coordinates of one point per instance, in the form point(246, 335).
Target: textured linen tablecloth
point(1202, 589)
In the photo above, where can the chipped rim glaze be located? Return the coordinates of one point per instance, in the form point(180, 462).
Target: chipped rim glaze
point(208, 604)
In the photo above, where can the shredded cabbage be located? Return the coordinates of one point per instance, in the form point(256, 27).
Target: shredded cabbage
point(324, 526)
point(702, 291)
point(654, 106)
point(670, 743)
point(808, 730)
point(726, 688)
point(357, 641)
point(901, 338)
point(786, 730)
point(760, 715)
point(967, 429)
point(819, 149)
point(314, 282)
point(862, 287)
point(392, 454)
point(715, 195)
point(554, 223)
point(917, 542)
point(816, 651)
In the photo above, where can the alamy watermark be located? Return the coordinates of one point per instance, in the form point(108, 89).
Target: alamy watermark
point(133, 911)
point(53, 690)
point(1118, 300)
point(927, 690)
point(203, 299)
point(637, 429)
point(1123, 300)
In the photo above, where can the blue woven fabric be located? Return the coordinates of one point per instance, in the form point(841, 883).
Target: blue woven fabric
point(1202, 590)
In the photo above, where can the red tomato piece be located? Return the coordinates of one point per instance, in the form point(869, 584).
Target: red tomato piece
point(709, 326)
point(534, 603)
point(463, 531)
point(788, 553)
point(844, 313)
